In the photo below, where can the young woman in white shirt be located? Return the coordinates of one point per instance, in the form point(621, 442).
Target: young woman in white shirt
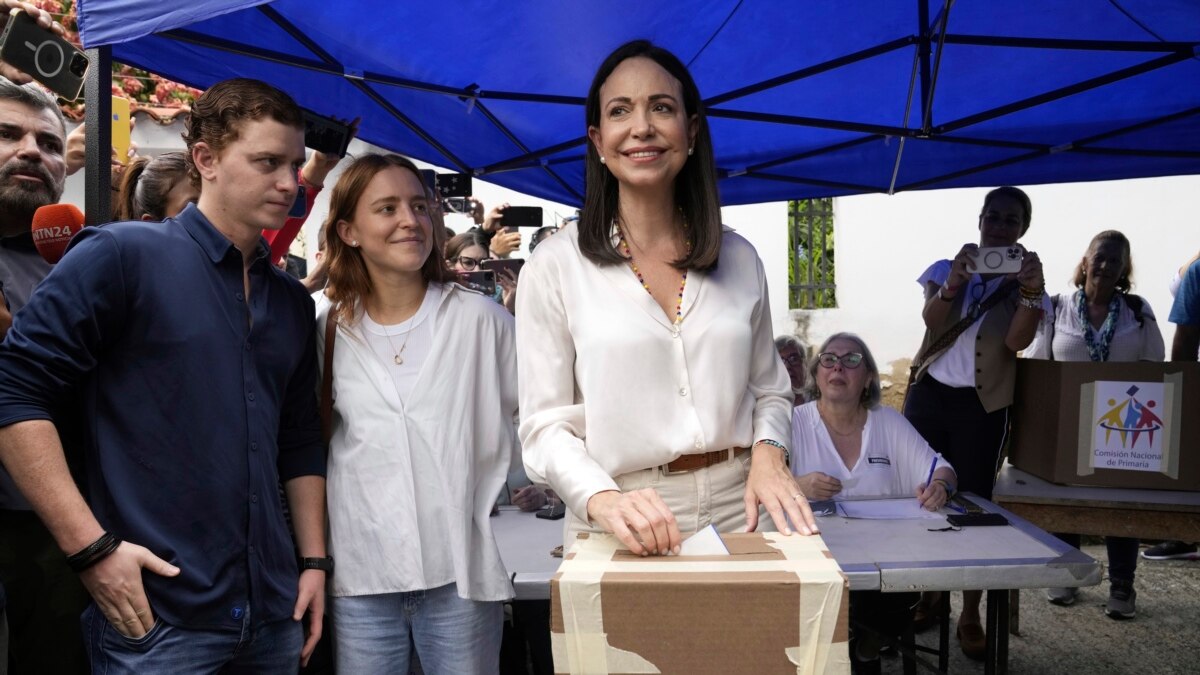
point(1102, 321)
point(850, 446)
point(652, 398)
point(424, 400)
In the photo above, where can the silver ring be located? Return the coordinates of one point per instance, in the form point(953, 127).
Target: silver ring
point(798, 495)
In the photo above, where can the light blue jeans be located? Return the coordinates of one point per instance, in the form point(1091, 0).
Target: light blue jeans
point(452, 636)
point(270, 648)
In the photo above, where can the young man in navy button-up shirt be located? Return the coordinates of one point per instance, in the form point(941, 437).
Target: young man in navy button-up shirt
point(194, 358)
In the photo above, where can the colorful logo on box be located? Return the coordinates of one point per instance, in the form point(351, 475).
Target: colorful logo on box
point(1130, 418)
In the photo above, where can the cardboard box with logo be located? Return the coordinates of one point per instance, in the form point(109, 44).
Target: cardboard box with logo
point(775, 604)
point(1124, 425)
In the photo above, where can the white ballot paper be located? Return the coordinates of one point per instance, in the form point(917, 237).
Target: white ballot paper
point(902, 508)
point(704, 542)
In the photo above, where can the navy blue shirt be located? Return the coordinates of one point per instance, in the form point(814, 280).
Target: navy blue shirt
point(196, 403)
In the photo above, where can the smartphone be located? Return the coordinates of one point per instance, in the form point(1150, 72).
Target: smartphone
point(553, 512)
point(976, 519)
point(483, 281)
point(522, 216)
point(998, 260)
point(44, 56)
point(454, 185)
point(429, 177)
point(120, 128)
point(514, 264)
point(325, 134)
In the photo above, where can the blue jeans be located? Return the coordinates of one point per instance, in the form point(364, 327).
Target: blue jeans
point(373, 633)
point(271, 648)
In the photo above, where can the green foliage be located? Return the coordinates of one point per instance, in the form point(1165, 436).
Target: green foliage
point(811, 281)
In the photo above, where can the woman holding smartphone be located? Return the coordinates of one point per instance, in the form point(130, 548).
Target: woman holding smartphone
point(966, 368)
point(652, 398)
point(422, 435)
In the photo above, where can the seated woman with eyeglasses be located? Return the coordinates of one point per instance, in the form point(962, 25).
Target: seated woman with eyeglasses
point(847, 445)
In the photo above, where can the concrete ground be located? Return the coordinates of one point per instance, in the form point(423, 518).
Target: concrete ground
point(1163, 639)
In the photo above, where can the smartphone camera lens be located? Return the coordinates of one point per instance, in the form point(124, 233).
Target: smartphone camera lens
point(79, 64)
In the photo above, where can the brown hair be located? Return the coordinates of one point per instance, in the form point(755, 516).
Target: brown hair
point(1126, 281)
point(695, 186)
point(349, 281)
point(460, 242)
point(217, 113)
point(145, 184)
point(1013, 193)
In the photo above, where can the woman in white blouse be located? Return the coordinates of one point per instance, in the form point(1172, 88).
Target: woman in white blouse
point(424, 401)
point(652, 398)
point(849, 446)
point(1102, 321)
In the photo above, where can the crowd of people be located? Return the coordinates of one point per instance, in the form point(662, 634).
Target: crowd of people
point(193, 441)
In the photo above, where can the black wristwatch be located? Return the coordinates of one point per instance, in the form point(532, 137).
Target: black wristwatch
point(324, 564)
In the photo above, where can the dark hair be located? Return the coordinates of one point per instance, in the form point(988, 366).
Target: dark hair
point(217, 113)
point(1126, 281)
point(540, 235)
point(31, 96)
point(145, 184)
point(695, 186)
point(460, 242)
point(349, 281)
point(1012, 193)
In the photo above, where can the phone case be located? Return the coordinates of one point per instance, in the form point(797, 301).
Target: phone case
point(42, 55)
point(120, 128)
point(976, 519)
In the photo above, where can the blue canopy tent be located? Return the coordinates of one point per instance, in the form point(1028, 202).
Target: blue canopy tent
point(805, 98)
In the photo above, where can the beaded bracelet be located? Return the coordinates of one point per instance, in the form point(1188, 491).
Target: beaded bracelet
point(1030, 303)
point(94, 553)
point(787, 456)
point(1032, 294)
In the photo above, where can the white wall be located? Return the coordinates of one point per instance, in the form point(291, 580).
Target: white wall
point(884, 243)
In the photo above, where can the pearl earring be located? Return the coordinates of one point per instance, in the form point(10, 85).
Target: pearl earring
point(602, 161)
point(354, 243)
point(690, 150)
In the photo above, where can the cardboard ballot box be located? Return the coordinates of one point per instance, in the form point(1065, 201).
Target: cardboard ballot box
point(1124, 425)
point(775, 604)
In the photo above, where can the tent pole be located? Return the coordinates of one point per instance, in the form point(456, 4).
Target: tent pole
point(97, 192)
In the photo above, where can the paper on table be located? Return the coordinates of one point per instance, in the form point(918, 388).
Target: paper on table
point(902, 508)
point(704, 542)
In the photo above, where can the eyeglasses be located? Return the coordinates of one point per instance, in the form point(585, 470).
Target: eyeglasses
point(792, 359)
point(850, 360)
point(467, 262)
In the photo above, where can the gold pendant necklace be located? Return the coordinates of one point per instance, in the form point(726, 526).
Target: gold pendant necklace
point(397, 357)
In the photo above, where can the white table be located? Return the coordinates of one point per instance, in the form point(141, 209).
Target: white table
point(879, 555)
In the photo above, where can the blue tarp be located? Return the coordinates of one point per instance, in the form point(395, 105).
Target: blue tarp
point(805, 98)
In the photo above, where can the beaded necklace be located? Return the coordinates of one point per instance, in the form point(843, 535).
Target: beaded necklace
point(682, 282)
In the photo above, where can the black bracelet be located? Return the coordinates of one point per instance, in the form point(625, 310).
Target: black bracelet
point(97, 551)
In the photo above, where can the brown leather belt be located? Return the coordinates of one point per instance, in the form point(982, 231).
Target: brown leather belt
point(687, 463)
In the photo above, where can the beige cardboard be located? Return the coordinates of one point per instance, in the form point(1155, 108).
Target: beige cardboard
point(1047, 428)
point(776, 604)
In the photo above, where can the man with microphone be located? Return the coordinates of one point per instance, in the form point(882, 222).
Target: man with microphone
point(44, 598)
point(196, 362)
